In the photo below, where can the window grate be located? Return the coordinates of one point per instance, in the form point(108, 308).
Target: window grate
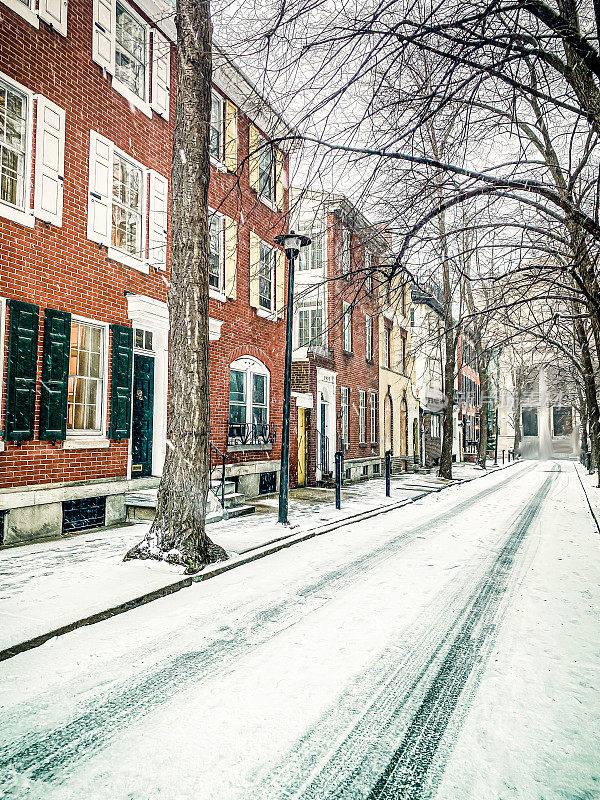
point(3, 517)
point(267, 483)
point(89, 512)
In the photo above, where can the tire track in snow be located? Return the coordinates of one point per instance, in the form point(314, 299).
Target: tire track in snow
point(414, 704)
point(46, 755)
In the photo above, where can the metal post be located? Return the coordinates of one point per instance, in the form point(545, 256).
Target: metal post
point(338, 479)
point(388, 472)
point(496, 444)
point(287, 382)
point(503, 456)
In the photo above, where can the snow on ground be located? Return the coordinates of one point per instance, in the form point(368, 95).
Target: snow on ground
point(45, 585)
point(248, 685)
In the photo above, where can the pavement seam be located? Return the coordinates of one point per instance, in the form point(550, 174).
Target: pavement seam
point(251, 555)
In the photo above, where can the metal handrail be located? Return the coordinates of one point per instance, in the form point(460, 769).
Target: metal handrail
point(218, 456)
point(322, 452)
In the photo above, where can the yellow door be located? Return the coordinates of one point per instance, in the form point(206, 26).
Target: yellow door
point(301, 447)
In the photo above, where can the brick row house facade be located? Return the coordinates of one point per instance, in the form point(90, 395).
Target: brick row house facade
point(468, 400)
point(87, 98)
point(335, 373)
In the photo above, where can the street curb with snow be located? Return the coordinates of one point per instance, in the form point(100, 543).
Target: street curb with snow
point(245, 558)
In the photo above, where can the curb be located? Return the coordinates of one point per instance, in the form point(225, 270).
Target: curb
point(247, 557)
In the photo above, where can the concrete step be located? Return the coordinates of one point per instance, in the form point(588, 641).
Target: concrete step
point(239, 511)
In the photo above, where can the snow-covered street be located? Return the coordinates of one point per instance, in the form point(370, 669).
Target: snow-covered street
point(448, 649)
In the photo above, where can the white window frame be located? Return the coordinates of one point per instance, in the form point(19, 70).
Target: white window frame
point(307, 254)
point(250, 366)
point(23, 216)
point(373, 417)
point(346, 326)
point(368, 337)
point(261, 310)
point(346, 247)
point(218, 293)
point(345, 414)
point(121, 88)
point(362, 417)
point(387, 336)
point(219, 161)
point(82, 439)
point(25, 10)
point(368, 271)
point(268, 200)
point(310, 304)
point(114, 253)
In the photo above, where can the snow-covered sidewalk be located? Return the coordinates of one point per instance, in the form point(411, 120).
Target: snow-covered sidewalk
point(47, 585)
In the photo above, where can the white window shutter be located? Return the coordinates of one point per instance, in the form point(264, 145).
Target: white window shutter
point(49, 161)
point(161, 74)
point(159, 196)
point(100, 189)
point(54, 12)
point(103, 33)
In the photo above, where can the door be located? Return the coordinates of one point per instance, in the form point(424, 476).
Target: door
point(388, 424)
point(301, 447)
point(323, 441)
point(143, 411)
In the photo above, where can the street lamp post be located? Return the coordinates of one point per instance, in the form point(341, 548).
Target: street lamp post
point(291, 243)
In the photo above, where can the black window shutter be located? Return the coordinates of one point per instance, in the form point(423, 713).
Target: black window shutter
point(120, 389)
point(22, 368)
point(55, 375)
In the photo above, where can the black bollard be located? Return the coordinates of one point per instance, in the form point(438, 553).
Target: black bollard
point(388, 472)
point(503, 456)
point(338, 479)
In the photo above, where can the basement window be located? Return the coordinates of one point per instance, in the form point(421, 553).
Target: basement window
point(78, 515)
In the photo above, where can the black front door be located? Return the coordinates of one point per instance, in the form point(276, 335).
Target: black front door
point(143, 408)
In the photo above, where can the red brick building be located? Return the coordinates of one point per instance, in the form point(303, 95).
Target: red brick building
point(86, 108)
point(336, 351)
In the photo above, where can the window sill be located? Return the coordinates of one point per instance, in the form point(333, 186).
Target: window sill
point(132, 98)
point(241, 448)
point(214, 294)
point(218, 165)
point(21, 9)
point(86, 442)
point(347, 352)
point(128, 261)
point(266, 202)
point(270, 315)
point(16, 215)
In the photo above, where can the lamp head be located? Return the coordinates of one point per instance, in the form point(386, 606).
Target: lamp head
point(292, 242)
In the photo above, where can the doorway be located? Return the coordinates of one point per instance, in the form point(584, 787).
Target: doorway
point(301, 447)
point(143, 413)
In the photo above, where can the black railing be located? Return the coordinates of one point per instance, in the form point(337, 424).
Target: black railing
point(251, 434)
point(322, 453)
point(217, 461)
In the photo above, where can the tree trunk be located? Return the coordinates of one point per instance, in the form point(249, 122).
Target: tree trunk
point(445, 470)
point(591, 395)
point(178, 534)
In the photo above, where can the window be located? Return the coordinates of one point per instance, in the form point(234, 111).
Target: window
point(403, 345)
point(131, 52)
point(529, 422)
point(310, 323)
point(217, 138)
point(373, 417)
point(347, 327)
point(248, 401)
point(386, 347)
point(86, 381)
point(311, 256)
point(368, 338)
point(215, 266)
point(562, 422)
point(435, 426)
point(345, 408)
point(368, 272)
point(266, 277)
point(266, 169)
point(362, 416)
point(142, 339)
point(13, 145)
point(346, 264)
point(412, 318)
point(403, 299)
point(128, 198)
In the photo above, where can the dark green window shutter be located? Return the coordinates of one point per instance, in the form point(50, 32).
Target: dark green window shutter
point(120, 387)
point(22, 368)
point(55, 375)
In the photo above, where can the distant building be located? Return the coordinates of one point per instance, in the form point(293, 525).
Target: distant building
point(468, 400)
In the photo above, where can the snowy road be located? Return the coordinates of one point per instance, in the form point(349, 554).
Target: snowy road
point(449, 649)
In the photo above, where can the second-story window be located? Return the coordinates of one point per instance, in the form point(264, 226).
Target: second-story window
point(130, 52)
point(215, 267)
point(127, 207)
point(216, 127)
point(347, 327)
point(311, 257)
point(266, 182)
point(310, 323)
point(387, 335)
point(368, 338)
point(266, 276)
point(13, 145)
